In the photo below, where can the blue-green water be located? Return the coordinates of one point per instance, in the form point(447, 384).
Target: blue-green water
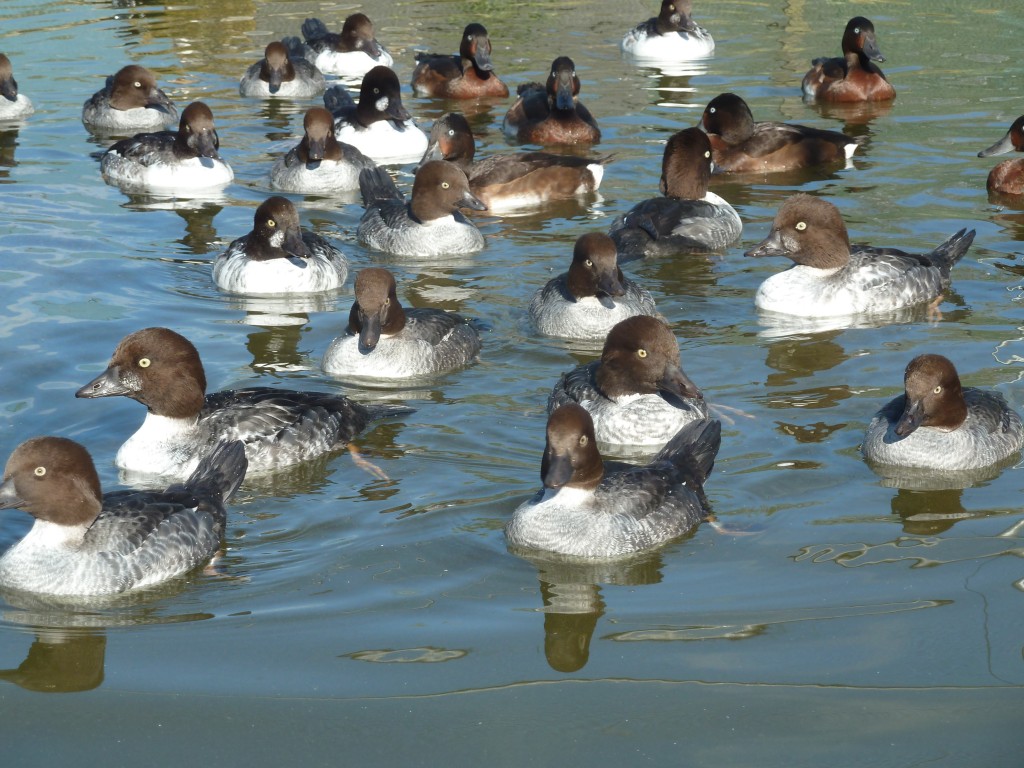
point(354, 619)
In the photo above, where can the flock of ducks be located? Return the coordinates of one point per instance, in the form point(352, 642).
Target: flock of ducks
point(85, 542)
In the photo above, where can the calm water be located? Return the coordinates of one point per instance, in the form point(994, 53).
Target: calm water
point(384, 621)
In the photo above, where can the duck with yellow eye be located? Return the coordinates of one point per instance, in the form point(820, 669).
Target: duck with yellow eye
point(129, 101)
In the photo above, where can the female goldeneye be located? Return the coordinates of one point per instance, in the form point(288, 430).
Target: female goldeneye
point(431, 224)
point(671, 36)
point(688, 218)
point(637, 394)
point(830, 279)
point(279, 257)
point(594, 509)
point(938, 425)
point(84, 542)
point(182, 160)
point(853, 77)
point(1008, 177)
point(588, 300)
point(130, 101)
point(467, 76)
point(351, 54)
point(161, 369)
point(278, 74)
point(514, 179)
point(379, 126)
point(13, 105)
point(320, 164)
point(386, 341)
point(739, 145)
point(550, 113)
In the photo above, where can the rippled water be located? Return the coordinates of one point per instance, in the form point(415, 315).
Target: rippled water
point(384, 621)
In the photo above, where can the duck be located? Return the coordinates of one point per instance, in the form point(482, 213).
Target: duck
point(182, 160)
point(469, 75)
point(280, 428)
point(351, 54)
point(279, 75)
point(279, 257)
point(688, 217)
point(379, 126)
point(319, 164)
point(739, 145)
point(431, 224)
point(1007, 177)
point(832, 278)
point(129, 101)
point(938, 424)
point(586, 302)
point(592, 509)
point(512, 180)
point(670, 36)
point(13, 105)
point(636, 393)
point(551, 113)
point(385, 341)
point(853, 77)
point(87, 543)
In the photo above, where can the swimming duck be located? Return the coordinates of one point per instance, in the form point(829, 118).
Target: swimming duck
point(739, 145)
point(386, 341)
point(689, 217)
point(278, 74)
point(853, 77)
point(13, 105)
point(85, 542)
point(589, 508)
point(351, 54)
point(319, 164)
point(469, 75)
point(937, 424)
point(551, 113)
point(831, 278)
point(670, 36)
point(129, 101)
point(1008, 176)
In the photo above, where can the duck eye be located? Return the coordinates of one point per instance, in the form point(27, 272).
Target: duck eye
point(801, 226)
point(39, 471)
point(583, 440)
point(469, 37)
point(451, 131)
point(553, 73)
point(937, 389)
point(856, 30)
point(145, 362)
point(671, 7)
point(271, 223)
point(588, 262)
point(376, 90)
point(641, 353)
point(707, 154)
point(387, 301)
point(138, 84)
point(711, 110)
point(445, 185)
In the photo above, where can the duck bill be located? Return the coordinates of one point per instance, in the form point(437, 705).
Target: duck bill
point(563, 91)
point(315, 149)
point(205, 144)
point(396, 110)
point(433, 153)
point(9, 498)
point(294, 245)
point(482, 57)
point(274, 81)
point(610, 284)
point(470, 200)
point(370, 47)
point(1001, 147)
point(556, 470)
point(770, 246)
point(678, 383)
point(158, 100)
point(913, 415)
point(871, 50)
point(9, 90)
point(683, 23)
point(107, 384)
point(369, 332)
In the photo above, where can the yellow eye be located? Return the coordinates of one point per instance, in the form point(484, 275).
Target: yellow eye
point(583, 440)
point(671, 7)
point(445, 185)
point(641, 352)
point(138, 84)
point(144, 362)
point(801, 226)
point(707, 154)
point(39, 471)
point(271, 223)
point(387, 301)
point(938, 389)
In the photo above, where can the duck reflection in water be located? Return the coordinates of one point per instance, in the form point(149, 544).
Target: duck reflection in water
point(61, 661)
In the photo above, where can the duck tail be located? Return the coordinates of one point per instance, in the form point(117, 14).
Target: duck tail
point(294, 47)
point(376, 185)
point(693, 449)
point(951, 251)
point(377, 412)
point(221, 471)
point(314, 29)
point(338, 100)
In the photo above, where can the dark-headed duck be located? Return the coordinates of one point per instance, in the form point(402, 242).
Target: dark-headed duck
point(467, 76)
point(550, 113)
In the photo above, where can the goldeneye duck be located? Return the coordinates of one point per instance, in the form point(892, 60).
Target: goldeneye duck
point(431, 224)
point(671, 36)
point(351, 54)
point(636, 393)
point(379, 126)
point(938, 425)
point(386, 341)
point(469, 75)
point(130, 101)
point(279, 257)
point(182, 160)
point(689, 217)
point(853, 77)
point(589, 508)
point(739, 145)
point(13, 105)
point(85, 542)
point(831, 278)
point(514, 179)
point(162, 370)
point(1008, 177)
point(278, 74)
point(551, 113)
point(320, 164)
point(588, 300)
